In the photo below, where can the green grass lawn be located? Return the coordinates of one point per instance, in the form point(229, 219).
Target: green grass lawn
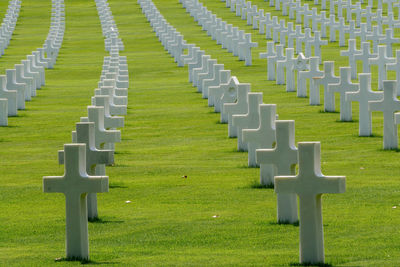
point(215, 216)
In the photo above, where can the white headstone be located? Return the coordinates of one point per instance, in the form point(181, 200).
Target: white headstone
point(388, 105)
point(76, 184)
point(351, 53)
point(11, 96)
point(283, 157)
point(364, 56)
point(309, 184)
point(239, 107)
point(381, 60)
point(305, 75)
point(363, 96)
point(263, 136)
point(396, 67)
point(3, 112)
point(328, 78)
point(85, 134)
point(345, 85)
point(250, 120)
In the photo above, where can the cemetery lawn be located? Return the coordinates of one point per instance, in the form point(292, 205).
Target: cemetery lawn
point(215, 216)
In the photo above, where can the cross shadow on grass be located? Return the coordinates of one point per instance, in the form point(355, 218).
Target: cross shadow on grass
point(311, 264)
point(116, 186)
point(333, 112)
point(257, 185)
point(371, 136)
point(352, 121)
point(101, 221)
point(295, 224)
point(85, 262)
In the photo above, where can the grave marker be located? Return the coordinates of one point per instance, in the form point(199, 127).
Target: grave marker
point(76, 184)
point(309, 184)
point(363, 96)
point(283, 157)
point(388, 105)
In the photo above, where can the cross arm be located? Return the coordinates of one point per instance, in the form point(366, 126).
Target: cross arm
point(53, 184)
point(330, 184)
point(95, 184)
point(266, 156)
point(285, 184)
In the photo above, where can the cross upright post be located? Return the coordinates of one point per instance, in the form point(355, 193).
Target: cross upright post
point(309, 184)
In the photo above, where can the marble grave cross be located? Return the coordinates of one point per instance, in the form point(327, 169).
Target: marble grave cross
point(388, 105)
point(283, 157)
point(309, 184)
point(75, 184)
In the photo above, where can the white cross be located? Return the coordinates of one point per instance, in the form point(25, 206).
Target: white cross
point(396, 67)
point(207, 74)
point(334, 26)
point(368, 14)
point(85, 135)
point(374, 36)
point(215, 97)
point(270, 67)
point(389, 40)
point(284, 159)
point(324, 22)
point(250, 120)
point(213, 81)
point(194, 63)
point(272, 61)
point(351, 52)
point(286, 33)
point(3, 112)
point(239, 107)
point(76, 184)
point(363, 96)
point(257, 18)
point(298, 35)
point(201, 69)
point(306, 39)
point(364, 56)
point(389, 105)
point(110, 122)
point(345, 85)
point(309, 185)
point(328, 78)
point(245, 49)
point(278, 29)
point(102, 136)
point(317, 42)
point(343, 28)
point(263, 136)
point(381, 60)
point(12, 96)
point(287, 64)
point(308, 75)
point(264, 21)
point(390, 5)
